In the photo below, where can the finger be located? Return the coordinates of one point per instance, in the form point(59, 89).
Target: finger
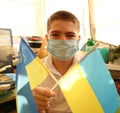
point(47, 92)
point(44, 91)
point(42, 103)
point(43, 111)
point(41, 97)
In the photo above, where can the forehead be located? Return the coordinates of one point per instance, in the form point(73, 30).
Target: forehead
point(63, 26)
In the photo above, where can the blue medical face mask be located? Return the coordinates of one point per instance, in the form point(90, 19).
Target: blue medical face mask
point(62, 49)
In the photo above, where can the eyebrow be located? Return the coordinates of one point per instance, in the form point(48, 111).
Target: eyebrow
point(70, 33)
point(60, 32)
point(54, 32)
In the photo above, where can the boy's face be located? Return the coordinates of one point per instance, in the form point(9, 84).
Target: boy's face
point(63, 30)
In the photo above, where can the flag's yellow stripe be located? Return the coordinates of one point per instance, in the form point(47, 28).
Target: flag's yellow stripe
point(36, 67)
point(118, 110)
point(78, 93)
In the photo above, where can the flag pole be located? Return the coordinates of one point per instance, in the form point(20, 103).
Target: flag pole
point(87, 53)
point(54, 78)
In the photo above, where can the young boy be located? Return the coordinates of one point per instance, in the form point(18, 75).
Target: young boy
point(62, 44)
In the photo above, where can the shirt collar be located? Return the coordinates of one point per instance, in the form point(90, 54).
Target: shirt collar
point(48, 62)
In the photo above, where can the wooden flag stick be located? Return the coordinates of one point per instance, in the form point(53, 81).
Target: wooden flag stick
point(54, 78)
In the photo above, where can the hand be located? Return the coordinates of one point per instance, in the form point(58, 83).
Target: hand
point(42, 97)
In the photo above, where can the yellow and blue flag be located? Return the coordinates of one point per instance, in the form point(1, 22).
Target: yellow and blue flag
point(90, 87)
point(30, 72)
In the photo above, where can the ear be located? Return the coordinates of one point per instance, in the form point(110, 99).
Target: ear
point(46, 36)
point(79, 37)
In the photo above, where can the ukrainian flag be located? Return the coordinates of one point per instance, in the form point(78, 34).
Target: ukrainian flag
point(30, 72)
point(89, 88)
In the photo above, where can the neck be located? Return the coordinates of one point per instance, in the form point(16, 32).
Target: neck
point(62, 66)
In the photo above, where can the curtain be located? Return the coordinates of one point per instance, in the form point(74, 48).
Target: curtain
point(105, 20)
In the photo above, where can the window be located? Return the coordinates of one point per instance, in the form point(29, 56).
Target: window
point(22, 16)
point(106, 20)
point(28, 17)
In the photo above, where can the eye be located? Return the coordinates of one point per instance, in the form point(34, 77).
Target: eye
point(71, 36)
point(54, 34)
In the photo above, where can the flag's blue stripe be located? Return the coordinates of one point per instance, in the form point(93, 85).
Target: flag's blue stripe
point(20, 74)
point(101, 81)
point(27, 52)
point(21, 80)
point(25, 101)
